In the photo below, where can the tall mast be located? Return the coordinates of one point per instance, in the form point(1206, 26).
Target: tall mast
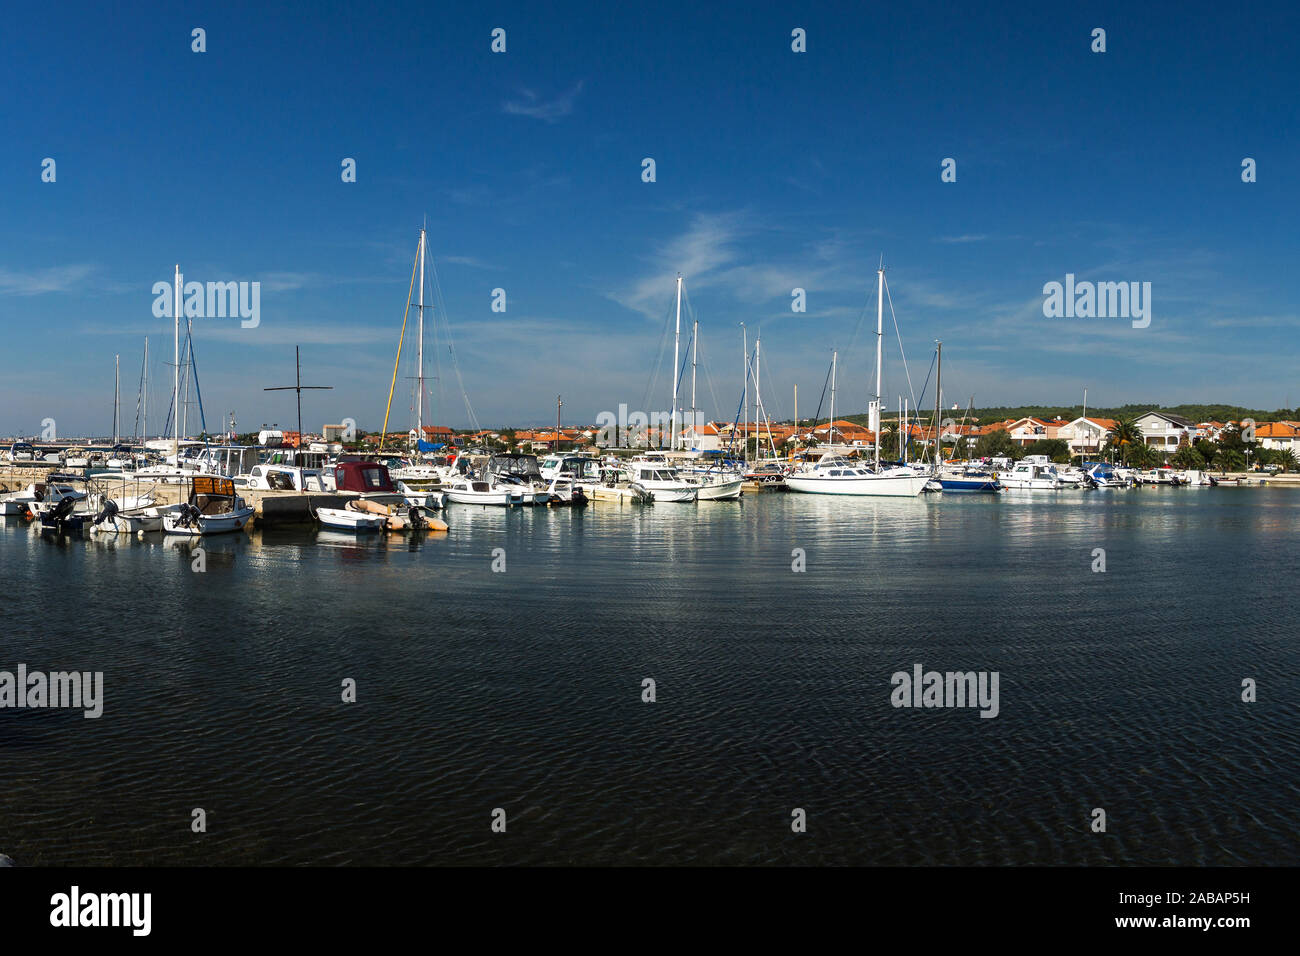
point(758, 397)
point(189, 363)
point(117, 384)
point(830, 429)
point(1083, 444)
point(176, 368)
point(695, 356)
point(744, 448)
point(144, 396)
point(899, 430)
point(906, 439)
point(677, 342)
point(880, 350)
point(419, 374)
point(938, 397)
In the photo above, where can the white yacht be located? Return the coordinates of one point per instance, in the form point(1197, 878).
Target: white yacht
point(835, 475)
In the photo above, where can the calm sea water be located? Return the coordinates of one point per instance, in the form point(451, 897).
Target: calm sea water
point(522, 689)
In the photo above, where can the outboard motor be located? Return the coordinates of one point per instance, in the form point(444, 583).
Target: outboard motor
point(109, 509)
point(61, 510)
point(579, 499)
point(414, 517)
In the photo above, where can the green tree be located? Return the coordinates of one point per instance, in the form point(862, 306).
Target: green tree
point(1054, 448)
point(1188, 458)
point(997, 444)
point(1229, 459)
point(1142, 455)
point(1123, 438)
point(1287, 460)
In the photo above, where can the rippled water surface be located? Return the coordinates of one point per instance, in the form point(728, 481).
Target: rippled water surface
point(522, 689)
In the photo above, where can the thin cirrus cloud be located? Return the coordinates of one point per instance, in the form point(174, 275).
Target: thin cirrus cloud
point(548, 110)
point(43, 281)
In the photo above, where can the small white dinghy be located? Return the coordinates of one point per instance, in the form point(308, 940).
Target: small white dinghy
point(345, 519)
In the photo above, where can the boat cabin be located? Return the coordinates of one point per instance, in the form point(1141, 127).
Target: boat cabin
point(522, 467)
point(212, 494)
point(363, 477)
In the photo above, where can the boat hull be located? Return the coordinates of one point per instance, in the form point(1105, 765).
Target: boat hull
point(882, 486)
point(343, 519)
point(208, 524)
point(728, 490)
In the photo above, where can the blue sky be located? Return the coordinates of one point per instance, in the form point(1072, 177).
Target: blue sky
point(774, 170)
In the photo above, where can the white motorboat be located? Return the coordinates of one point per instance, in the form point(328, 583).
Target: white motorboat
point(212, 508)
point(835, 475)
point(660, 482)
point(1031, 475)
point(718, 486)
point(430, 499)
point(54, 491)
point(348, 519)
point(468, 490)
point(145, 519)
point(1103, 475)
point(17, 503)
point(268, 477)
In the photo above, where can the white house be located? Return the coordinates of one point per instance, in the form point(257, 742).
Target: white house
point(1086, 436)
point(701, 438)
point(1279, 436)
point(1165, 432)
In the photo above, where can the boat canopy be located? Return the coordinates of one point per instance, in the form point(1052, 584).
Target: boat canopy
point(212, 485)
point(523, 466)
point(362, 476)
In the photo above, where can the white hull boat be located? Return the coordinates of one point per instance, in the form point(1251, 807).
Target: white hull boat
point(465, 492)
point(213, 508)
point(345, 519)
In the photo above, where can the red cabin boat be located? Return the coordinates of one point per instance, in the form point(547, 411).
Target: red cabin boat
point(363, 477)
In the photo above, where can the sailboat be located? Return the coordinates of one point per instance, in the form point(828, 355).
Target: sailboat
point(833, 474)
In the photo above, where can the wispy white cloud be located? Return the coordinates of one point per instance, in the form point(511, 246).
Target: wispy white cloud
point(550, 110)
point(41, 281)
point(967, 238)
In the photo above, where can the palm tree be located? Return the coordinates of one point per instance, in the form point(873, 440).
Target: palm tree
point(1123, 437)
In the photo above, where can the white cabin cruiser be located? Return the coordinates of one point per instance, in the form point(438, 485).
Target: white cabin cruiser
point(1034, 473)
point(834, 474)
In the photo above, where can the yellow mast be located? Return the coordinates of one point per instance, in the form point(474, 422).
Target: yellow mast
point(384, 434)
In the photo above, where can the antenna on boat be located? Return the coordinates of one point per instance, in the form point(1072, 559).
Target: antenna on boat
point(299, 387)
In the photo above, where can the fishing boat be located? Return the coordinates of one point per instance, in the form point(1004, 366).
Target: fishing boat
point(213, 507)
point(832, 474)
